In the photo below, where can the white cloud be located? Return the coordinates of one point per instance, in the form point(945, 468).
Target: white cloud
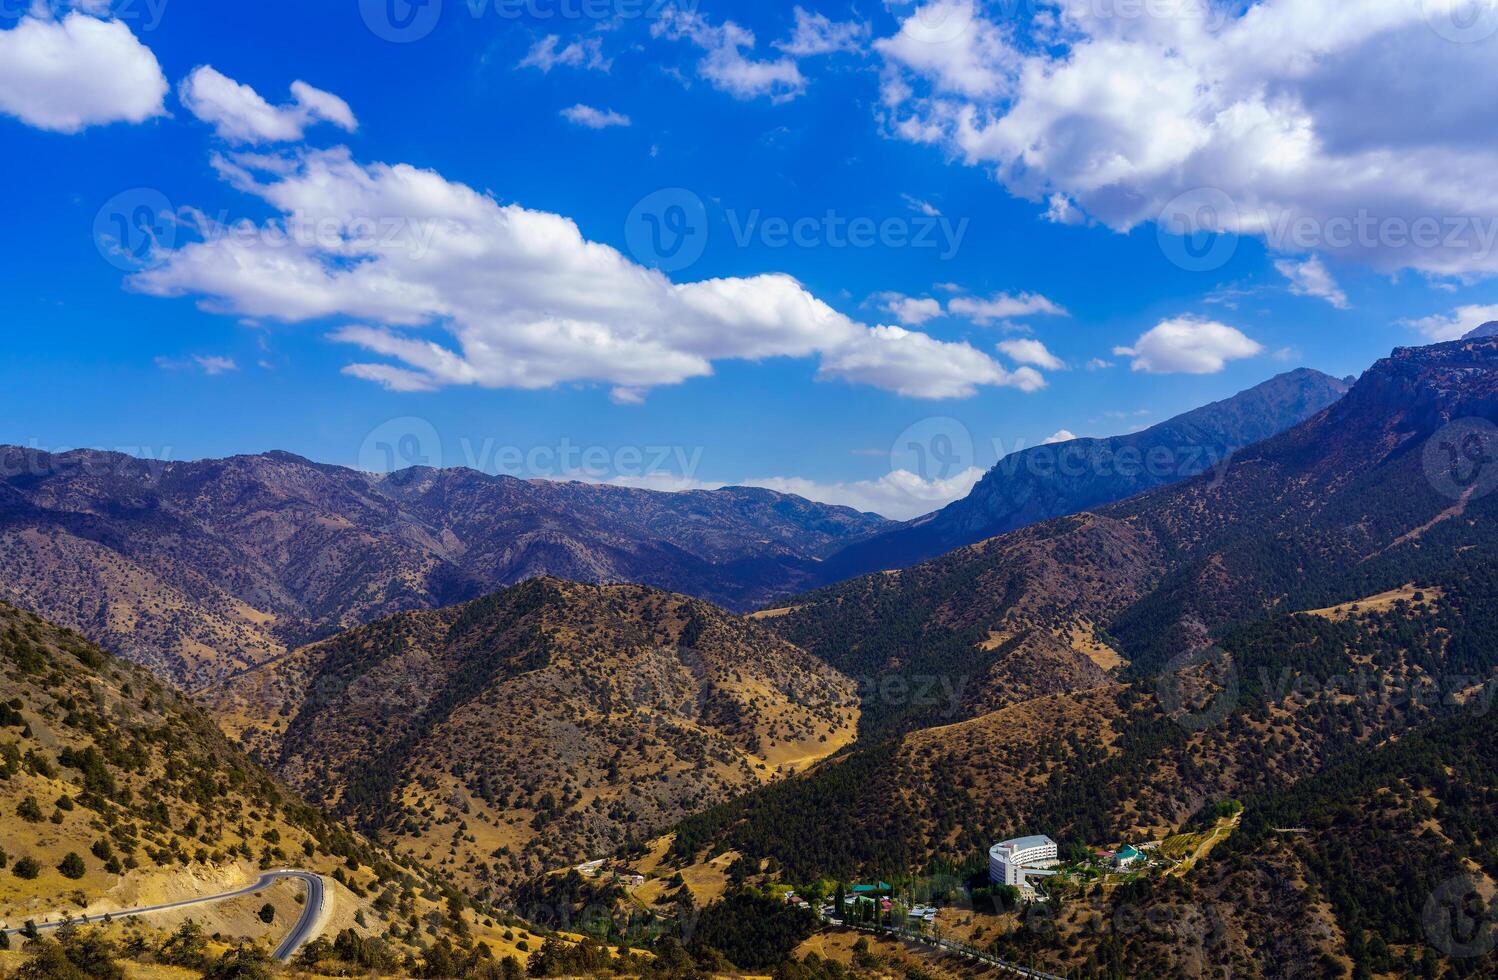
point(900, 495)
point(1341, 128)
point(1187, 345)
point(209, 364)
point(1002, 306)
point(66, 75)
point(909, 310)
point(1098, 364)
point(1060, 435)
point(526, 300)
point(586, 115)
point(1312, 278)
point(950, 43)
point(725, 64)
point(1061, 211)
point(922, 207)
point(1031, 351)
point(586, 53)
point(239, 115)
point(1461, 321)
point(816, 34)
point(918, 366)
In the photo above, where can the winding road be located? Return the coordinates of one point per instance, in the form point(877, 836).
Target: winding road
point(300, 933)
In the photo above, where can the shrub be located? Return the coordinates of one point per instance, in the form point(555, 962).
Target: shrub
point(29, 810)
point(72, 867)
point(26, 869)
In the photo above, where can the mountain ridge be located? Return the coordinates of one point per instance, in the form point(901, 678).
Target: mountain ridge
point(200, 569)
point(1057, 479)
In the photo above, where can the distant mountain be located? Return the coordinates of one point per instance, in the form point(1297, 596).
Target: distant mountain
point(1489, 329)
point(1064, 478)
point(199, 569)
point(540, 726)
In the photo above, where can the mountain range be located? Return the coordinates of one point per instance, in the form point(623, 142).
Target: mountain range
point(1061, 478)
point(1301, 635)
point(201, 569)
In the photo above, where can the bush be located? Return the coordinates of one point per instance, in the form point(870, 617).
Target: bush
point(29, 810)
point(244, 962)
point(267, 913)
point(26, 869)
point(72, 867)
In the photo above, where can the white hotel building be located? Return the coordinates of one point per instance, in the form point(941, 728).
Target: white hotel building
point(1009, 861)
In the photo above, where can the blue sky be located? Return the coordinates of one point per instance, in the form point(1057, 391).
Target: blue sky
point(524, 173)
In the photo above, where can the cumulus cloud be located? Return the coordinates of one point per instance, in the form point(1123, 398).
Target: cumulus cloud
point(725, 64)
point(919, 366)
point(1003, 306)
point(66, 75)
point(239, 115)
point(549, 52)
point(1312, 278)
point(816, 34)
point(1187, 345)
point(1460, 321)
point(1060, 435)
point(950, 43)
point(1030, 351)
point(1334, 128)
point(443, 285)
point(909, 310)
point(586, 115)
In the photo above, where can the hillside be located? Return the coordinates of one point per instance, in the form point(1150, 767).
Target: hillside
point(1348, 504)
point(1380, 866)
point(1064, 478)
point(544, 725)
point(200, 569)
point(1342, 570)
point(116, 792)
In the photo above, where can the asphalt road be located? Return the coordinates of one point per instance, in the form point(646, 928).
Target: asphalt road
point(294, 940)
